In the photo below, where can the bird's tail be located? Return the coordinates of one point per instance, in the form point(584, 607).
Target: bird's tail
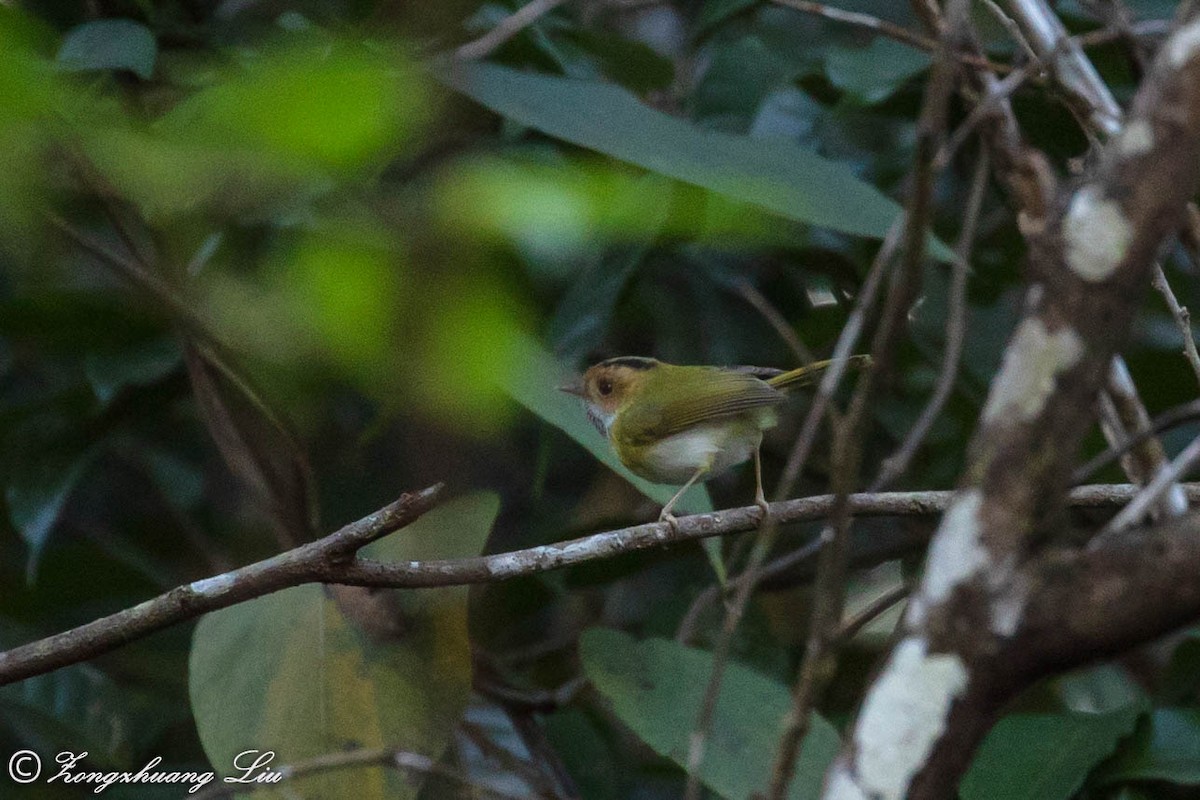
point(806, 376)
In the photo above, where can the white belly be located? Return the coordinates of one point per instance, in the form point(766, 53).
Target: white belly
point(676, 458)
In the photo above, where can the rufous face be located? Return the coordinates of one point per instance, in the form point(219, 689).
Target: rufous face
point(606, 386)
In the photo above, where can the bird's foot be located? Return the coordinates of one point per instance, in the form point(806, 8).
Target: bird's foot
point(764, 509)
point(669, 518)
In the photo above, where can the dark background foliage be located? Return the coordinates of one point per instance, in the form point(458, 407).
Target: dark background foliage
point(264, 265)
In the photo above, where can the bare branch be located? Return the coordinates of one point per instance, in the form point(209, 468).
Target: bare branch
point(403, 760)
point(888, 29)
point(330, 560)
point(508, 27)
point(304, 564)
point(956, 331)
point(1183, 320)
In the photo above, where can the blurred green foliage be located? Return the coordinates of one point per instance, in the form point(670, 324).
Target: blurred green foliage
point(264, 265)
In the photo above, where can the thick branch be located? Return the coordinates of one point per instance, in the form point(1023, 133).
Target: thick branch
point(1091, 259)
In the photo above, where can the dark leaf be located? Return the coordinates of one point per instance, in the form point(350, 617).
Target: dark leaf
point(656, 687)
point(110, 44)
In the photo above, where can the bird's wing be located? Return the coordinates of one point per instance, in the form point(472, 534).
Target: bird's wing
point(706, 397)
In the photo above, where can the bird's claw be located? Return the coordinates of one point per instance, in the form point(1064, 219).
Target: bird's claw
point(765, 508)
point(669, 518)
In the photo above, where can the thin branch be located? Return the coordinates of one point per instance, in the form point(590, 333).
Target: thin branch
point(748, 292)
point(765, 540)
point(403, 760)
point(1188, 412)
point(506, 29)
point(956, 331)
point(1139, 506)
point(889, 29)
point(1183, 320)
point(311, 562)
point(821, 650)
point(851, 627)
point(329, 560)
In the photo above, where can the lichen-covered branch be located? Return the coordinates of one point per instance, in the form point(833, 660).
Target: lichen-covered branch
point(1090, 261)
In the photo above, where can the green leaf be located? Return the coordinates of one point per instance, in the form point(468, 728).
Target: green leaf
point(714, 12)
point(1165, 748)
point(110, 44)
point(80, 708)
point(1044, 756)
point(306, 672)
point(38, 491)
point(781, 177)
point(535, 386)
point(145, 362)
point(1180, 681)
point(873, 73)
point(656, 687)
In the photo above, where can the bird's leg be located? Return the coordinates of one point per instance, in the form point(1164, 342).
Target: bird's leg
point(666, 515)
point(760, 499)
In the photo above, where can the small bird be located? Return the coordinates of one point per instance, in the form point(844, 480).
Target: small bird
point(677, 424)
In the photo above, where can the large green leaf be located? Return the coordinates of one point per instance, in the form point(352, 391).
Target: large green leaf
point(1044, 756)
point(306, 672)
point(1166, 748)
point(776, 175)
point(656, 687)
point(81, 708)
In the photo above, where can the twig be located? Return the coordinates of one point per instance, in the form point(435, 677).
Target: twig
point(1138, 507)
point(402, 760)
point(1183, 320)
point(1010, 25)
point(1187, 412)
point(765, 540)
point(748, 292)
point(821, 649)
point(888, 29)
point(315, 561)
point(1146, 28)
point(329, 560)
point(984, 109)
point(956, 330)
point(852, 626)
point(507, 28)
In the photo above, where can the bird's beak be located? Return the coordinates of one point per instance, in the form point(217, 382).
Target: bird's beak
point(574, 387)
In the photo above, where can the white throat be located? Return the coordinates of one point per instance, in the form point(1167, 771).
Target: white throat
point(600, 418)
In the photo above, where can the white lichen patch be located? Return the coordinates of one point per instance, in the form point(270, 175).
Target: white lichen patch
point(1137, 138)
point(1183, 45)
point(214, 585)
point(841, 786)
point(902, 717)
point(1008, 606)
point(1031, 366)
point(955, 556)
point(1096, 234)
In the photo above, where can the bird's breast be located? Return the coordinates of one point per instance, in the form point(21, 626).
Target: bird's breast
point(676, 458)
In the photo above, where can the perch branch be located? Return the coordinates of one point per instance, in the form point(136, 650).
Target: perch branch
point(330, 560)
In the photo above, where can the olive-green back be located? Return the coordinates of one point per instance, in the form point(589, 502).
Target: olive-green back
point(676, 398)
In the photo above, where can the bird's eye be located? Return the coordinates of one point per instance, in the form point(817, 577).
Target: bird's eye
point(604, 387)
